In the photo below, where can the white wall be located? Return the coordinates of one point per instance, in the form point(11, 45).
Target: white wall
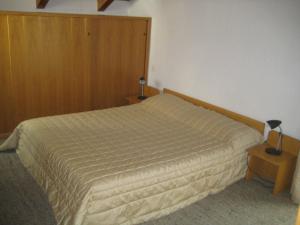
point(240, 54)
point(65, 6)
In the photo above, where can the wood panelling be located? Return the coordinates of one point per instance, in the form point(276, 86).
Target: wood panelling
point(56, 64)
point(298, 217)
point(6, 101)
point(118, 59)
point(50, 72)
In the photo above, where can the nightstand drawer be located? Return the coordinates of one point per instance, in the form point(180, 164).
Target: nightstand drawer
point(263, 168)
point(132, 100)
point(271, 167)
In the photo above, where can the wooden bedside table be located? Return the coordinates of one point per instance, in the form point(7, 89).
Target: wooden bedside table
point(132, 100)
point(279, 169)
point(149, 91)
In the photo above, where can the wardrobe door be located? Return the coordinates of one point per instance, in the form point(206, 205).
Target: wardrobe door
point(49, 65)
point(6, 95)
point(119, 49)
point(53, 64)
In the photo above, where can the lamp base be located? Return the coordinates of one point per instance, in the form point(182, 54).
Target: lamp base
point(273, 151)
point(142, 97)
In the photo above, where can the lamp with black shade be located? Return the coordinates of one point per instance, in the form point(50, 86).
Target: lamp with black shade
point(142, 83)
point(278, 150)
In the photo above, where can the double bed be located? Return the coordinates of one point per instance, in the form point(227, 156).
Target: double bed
point(134, 163)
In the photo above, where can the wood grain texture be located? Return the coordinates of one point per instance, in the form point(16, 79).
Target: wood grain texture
point(132, 100)
point(264, 169)
point(40, 4)
point(57, 64)
point(4, 135)
point(289, 144)
point(148, 45)
point(149, 91)
point(103, 4)
point(6, 96)
point(260, 126)
point(119, 51)
point(279, 169)
point(298, 217)
point(54, 79)
point(259, 151)
point(68, 15)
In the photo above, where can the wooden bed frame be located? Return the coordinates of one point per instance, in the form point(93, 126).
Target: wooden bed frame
point(260, 126)
point(298, 217)
point(289, 144)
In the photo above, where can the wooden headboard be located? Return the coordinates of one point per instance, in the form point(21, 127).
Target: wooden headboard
point(151, 91)
point(289, 144)
point(260, 126)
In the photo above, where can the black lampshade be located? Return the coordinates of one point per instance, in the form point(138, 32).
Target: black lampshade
point(274, 123)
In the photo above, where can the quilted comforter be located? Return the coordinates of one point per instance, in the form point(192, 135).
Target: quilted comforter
point(134, 163)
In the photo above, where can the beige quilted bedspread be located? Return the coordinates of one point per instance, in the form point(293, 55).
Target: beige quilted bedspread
point(130, 164)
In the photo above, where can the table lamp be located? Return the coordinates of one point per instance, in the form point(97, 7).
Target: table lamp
point(275, 151)
point(142, 82)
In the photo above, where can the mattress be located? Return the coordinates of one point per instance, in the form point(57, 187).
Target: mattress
point(134, 163)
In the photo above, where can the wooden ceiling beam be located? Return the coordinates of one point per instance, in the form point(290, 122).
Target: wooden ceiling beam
point(41, 4)
point(103, 4)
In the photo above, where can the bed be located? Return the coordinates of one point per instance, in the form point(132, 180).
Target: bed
point(134, 163)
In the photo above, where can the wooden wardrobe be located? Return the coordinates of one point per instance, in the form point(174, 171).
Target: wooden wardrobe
point(60, 63)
